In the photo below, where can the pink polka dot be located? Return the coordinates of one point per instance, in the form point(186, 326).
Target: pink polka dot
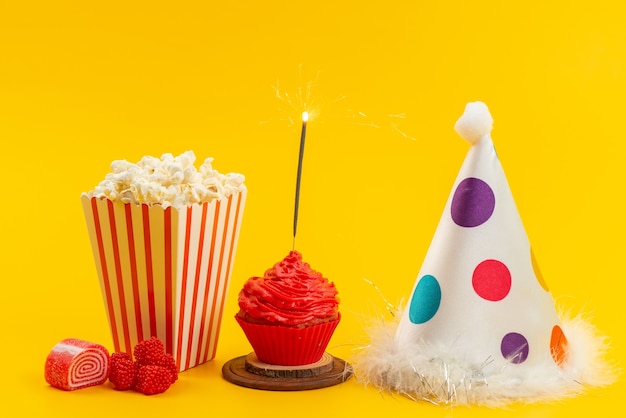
point(491, 280)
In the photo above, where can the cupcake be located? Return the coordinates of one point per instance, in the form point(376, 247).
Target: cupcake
point(289, 314)
point(163, 235)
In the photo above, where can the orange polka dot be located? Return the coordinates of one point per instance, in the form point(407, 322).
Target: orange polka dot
point(558, 346)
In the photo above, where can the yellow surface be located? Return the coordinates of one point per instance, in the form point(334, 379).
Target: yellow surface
point(84, 83)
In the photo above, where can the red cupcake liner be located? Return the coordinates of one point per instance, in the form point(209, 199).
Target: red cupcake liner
point(288, 346)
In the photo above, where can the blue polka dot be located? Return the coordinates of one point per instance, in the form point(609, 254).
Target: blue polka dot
point(425, 301)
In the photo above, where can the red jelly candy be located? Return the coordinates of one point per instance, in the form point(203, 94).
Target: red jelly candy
point(76, 364)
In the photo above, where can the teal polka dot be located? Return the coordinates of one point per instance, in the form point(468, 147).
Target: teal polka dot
point(425, 301)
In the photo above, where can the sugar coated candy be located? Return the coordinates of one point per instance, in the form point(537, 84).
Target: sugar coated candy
point(75, 364)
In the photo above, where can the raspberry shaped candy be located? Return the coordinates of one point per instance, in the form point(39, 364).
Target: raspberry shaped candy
point(123, 371)
point(167, 361)
point(153, 379)
point(149, 351)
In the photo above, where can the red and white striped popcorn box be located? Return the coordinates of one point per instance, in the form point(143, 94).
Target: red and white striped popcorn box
point(165, 272)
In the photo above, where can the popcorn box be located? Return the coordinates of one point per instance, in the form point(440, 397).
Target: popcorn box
point(165, 272)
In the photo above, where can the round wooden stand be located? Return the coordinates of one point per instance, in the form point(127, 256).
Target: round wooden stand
point(250, 372)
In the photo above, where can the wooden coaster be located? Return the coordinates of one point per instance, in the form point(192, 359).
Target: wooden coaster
point(256, 366)
point(249, 372)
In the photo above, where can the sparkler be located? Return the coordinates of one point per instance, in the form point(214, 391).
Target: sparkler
point(305, 118)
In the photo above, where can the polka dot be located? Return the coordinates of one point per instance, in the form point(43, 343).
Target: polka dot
point(514, 347)
point(537, 271)
point(491, 280)
point(473, 203)
point(558, 346)
point(425, 301)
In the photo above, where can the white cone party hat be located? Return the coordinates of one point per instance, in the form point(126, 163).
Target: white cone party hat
point(481, 326)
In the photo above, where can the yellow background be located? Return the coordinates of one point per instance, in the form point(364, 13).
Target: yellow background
point(85, 83)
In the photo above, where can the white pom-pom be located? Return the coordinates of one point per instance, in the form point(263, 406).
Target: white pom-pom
point(475, 123)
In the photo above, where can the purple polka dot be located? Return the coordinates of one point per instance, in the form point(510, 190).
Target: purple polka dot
point(514, 347)
point(473, 203)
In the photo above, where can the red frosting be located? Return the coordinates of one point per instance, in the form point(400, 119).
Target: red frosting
point(289, 294)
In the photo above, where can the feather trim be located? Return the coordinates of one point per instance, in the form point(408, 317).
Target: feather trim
point(435, 375)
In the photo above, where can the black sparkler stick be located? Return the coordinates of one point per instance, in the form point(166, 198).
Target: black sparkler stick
point(305, 118)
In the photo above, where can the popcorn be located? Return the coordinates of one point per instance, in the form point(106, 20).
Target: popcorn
point(168, 181)
point(139, 219)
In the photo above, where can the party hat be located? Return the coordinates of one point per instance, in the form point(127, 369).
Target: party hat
point(481, 326)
